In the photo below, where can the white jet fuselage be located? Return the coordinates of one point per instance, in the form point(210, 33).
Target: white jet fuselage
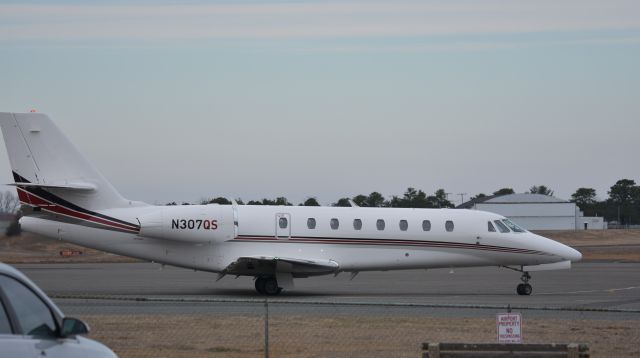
point(403, 242)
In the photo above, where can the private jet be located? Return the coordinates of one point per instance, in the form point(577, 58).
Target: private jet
point(65, 198)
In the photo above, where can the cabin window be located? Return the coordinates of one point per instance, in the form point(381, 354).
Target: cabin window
point(448, 225)
point(404, 225)
point(502, 227)
point(357, 224)
point(311, 223)
point(491, 227)
point(426, 225)
point(380, 224)
point(335, 224)
point(283, 222)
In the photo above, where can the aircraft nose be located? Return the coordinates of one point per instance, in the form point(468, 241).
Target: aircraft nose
point(561, 250)
point(573, 255)
point(568, 253)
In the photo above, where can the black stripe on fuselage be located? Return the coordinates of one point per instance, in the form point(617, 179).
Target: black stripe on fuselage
point(52, 216)
point(66, 204)
point(387, 242)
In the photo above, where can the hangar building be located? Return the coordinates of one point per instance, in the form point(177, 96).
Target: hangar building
point(537, 212)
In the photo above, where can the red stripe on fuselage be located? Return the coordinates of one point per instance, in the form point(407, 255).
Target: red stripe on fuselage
point(388, 242)
point(46, 205)
point(23, 196)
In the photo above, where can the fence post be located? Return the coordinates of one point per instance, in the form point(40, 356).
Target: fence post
point(434, 350)
point(573, 350)
point(266, 328)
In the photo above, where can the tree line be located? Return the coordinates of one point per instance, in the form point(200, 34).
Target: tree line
point(622, 204)
point(412, 198)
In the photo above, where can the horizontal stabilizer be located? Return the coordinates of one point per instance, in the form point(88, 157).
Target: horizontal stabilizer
point(70, 186)
point(562, 265)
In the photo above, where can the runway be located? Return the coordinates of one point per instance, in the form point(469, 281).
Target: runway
point(606, 290)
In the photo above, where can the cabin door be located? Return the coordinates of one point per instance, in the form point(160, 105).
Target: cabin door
point(283, 226)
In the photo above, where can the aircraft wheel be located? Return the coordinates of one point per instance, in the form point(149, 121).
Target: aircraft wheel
point(271, 286)
point(524, 289)
point(519, 288)
point(260, 283)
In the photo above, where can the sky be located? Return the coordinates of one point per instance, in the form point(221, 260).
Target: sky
point(178, 101)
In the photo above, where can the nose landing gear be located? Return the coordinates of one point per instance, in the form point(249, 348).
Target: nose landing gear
point(524, 289)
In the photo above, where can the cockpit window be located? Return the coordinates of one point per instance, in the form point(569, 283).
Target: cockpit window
point(491, 227)
point(512, 226)
point(502, 227)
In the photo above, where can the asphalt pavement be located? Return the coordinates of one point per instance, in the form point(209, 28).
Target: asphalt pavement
point(592, 290)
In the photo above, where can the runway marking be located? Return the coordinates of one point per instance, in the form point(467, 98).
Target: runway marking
point(610, 290)
point(338, 303)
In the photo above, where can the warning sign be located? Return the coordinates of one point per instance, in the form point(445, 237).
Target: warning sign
point(509, 327)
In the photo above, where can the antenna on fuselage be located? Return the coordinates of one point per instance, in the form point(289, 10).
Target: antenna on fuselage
point(353, 204)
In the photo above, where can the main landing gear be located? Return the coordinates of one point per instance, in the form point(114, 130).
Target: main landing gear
point(267, 285)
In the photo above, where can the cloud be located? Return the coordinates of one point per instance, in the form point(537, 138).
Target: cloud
point(278, 21)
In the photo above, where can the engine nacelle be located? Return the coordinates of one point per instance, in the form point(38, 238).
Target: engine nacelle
point(190, 223)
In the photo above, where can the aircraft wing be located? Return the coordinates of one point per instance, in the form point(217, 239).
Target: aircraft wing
point(272, 265)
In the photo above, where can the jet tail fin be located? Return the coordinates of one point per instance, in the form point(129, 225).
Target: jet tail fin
point(46, 163)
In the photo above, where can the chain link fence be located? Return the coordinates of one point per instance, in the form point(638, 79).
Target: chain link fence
point(139, 327)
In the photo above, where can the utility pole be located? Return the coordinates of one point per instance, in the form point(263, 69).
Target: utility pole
point(619, 221)
point(266, 328)
point(462, 197)
point(447, 195)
